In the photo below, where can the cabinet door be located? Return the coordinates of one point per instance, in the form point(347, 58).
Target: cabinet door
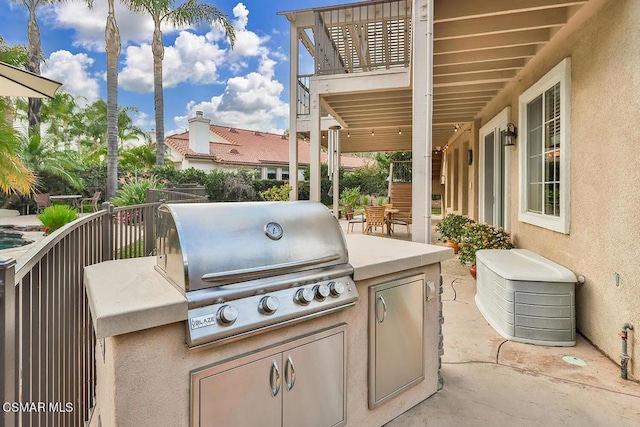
point(398, 351)
point(248, 395)
point(314, 383)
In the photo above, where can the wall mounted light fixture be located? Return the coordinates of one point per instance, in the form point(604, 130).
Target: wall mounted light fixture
point(510, 135)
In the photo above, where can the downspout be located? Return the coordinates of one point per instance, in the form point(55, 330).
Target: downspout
point(624, 357)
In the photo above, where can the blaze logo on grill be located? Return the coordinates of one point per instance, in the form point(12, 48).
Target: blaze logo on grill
point(203, 321)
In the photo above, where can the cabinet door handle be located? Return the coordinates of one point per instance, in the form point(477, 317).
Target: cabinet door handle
point(274, 378)
point(384, 309)
point(289, 373)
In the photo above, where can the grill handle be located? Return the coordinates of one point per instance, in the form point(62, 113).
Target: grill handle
point(274, 378)
point(252, 272)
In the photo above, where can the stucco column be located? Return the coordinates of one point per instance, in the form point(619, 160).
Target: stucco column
point(314, 160)
point(422, 31)
point(293, 111)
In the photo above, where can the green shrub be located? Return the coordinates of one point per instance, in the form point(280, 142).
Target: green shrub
point(476, 236)
point(277, 193)
point(371, 180)
point(55, 216)
point(451, 227)
point(350, 197)
point(260, 185)
point(134, 190)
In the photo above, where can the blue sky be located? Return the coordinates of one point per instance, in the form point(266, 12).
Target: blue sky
point(246, 87)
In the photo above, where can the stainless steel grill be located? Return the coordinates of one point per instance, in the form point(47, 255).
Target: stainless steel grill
point(249, 267)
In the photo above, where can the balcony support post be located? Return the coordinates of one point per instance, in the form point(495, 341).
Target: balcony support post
point(422, 118)
point(293, 111)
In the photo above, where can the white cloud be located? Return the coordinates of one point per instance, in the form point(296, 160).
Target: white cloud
point(191, 59)
point(71, 70)
point(249, 102)
point(241, 13)
point(248, 43)
point(89, 24)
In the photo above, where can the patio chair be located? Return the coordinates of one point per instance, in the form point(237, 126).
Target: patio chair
point(401, 218)
point(349, 215)
point(90, 202)
point(375, 218)
point(42, 201)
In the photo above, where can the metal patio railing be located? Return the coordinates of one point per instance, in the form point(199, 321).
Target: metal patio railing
point(48, 345)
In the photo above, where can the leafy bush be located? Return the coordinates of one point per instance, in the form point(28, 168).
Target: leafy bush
point(476, 236)
point(277, 193)
point(260, 185)
point(451, 227)
point(371, 180)
point(350, 197)
point(55, 216)
point(134, 190)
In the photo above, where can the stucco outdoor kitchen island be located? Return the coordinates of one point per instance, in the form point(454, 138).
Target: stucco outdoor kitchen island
point(362, 365)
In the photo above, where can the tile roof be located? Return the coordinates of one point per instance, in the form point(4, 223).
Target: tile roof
point(251, 148)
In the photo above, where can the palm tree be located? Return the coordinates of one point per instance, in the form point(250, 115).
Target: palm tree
point(60, 113)
point(35, 56)
point(113, 47)
point(189, 13)
point(15, 177)
point(112, 38)
point(41, 156)
point(127, 131)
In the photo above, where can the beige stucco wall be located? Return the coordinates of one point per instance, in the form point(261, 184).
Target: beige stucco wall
point(605, 150)
point(462, 199)
point(143, 380)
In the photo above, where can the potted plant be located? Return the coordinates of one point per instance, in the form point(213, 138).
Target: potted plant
point(476, 236)
point(450, 229)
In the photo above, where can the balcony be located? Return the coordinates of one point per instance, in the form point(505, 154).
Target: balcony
point(354, 39)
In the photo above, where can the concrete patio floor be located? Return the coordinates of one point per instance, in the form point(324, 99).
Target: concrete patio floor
point(489, 381)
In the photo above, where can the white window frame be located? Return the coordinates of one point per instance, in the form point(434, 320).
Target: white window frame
point(561, 73)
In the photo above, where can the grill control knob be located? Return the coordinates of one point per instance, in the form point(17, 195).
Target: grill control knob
point(304, 296)
point(227, 314)
point(336, 288)
point(268, 305)
point(321, 291)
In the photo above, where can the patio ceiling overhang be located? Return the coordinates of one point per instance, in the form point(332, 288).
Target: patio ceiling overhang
point(479, 47)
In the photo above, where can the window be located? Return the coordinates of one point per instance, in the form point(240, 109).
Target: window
point(285, 174)
point(544, 150)
point(272, 173)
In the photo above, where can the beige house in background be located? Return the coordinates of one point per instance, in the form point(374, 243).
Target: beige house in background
point(211, 147)
point(450, 78)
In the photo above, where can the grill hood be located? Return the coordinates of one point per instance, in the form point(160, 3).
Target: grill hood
point(202, 245)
